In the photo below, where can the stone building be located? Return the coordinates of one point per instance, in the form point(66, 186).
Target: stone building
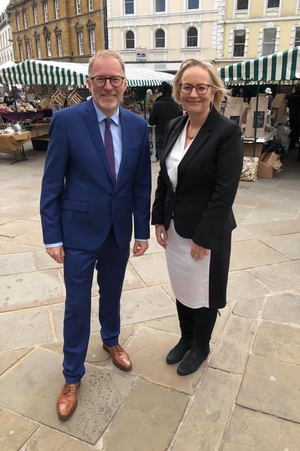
point(6, 47)
point(62, 30)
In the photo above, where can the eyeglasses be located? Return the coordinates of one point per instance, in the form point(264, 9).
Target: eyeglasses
point(201, 89)
point(100, 82)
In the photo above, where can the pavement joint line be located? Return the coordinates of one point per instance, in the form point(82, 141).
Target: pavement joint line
point(278, 252)
point(52, 323)
point(135, 271)
point(23, 309)
point(17, 363)
point(24, 446)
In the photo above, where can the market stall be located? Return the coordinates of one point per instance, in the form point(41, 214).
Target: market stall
point(259, 124)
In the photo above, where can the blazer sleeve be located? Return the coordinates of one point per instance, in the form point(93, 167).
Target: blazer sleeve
point(228, 171)
point(161, 192)
point(142, 191)
point(53, 181)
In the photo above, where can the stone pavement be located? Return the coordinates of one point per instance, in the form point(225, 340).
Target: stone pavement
point(246, 397)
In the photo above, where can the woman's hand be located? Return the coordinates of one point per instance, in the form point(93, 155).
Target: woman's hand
point(198, 252)
point(161, 235)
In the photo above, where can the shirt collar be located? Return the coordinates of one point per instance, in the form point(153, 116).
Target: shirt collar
point(101, 116)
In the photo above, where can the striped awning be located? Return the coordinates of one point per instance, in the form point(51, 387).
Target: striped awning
point(38, 72)
point(279, 66)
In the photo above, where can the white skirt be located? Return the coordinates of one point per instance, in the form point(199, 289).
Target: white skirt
point(189, 278)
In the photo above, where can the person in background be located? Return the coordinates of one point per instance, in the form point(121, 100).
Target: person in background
point(293, 105)
point(96, 183)
point(163, 111)
point(201, 164)
point(270, 97)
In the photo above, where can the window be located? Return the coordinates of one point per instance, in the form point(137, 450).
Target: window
point(239, 43)
point(269, 40)
point(48, 44)
point(56, 7)
point(21, 51)
point(160, 6)
point(297, 37)
point(130, 40)
point(28, 50)
point(192, 37)
point(92, 42)
point(242, 5)
point(46, 11)
point(59, 45)
point(18, 23)
point(38, 49)
point(273, 3)
point(35, 15)
point(25, 20)
point(78, 6)
point(159, 38)
point(193, 4)
point(129, 6)
point(91, 5)
point(80, 43)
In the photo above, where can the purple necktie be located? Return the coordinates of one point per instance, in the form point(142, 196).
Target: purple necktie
point(109, 148)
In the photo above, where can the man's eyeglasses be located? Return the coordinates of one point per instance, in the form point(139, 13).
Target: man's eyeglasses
point(100, 82)
point(201, 89)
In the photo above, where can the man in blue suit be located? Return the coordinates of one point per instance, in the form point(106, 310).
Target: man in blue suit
point(97, 176)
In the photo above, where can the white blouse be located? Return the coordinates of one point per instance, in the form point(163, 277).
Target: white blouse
point(175, 156)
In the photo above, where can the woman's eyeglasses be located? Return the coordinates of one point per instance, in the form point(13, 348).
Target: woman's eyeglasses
point(201, 89)
point(100, 82)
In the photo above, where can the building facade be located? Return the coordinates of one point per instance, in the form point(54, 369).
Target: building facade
point(159, 34)
point(6, 46)
point(63, 30)
point(251, 28)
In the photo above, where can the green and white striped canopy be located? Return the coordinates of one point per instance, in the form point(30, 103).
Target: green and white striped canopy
point(38, 72)
point(279, 66)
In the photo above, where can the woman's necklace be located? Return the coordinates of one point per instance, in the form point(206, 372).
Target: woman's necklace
point(187, 135)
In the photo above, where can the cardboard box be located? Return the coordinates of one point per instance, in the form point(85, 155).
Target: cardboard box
point(261, 114)
point(234, 109)
point(269, 165)
point(249, 149)
point(278, 109)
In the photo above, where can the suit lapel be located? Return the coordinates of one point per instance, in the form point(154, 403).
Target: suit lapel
point(93, 126)
point(199, 140)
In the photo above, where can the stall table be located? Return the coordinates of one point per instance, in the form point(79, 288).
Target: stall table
point(15, 144)
point(248, 144)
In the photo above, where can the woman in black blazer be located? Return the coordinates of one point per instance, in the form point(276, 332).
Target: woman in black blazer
point(201, 164)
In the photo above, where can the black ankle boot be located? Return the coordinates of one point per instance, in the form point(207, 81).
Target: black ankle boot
point(194, 359)
point(178, 352)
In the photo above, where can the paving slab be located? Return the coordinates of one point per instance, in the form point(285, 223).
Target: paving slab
point(168, 289)
point(253, 253)
point(249, 308)
point(28, 390)
point(4, 220)
point(33, 238)
point(44, 261)
point(288, 245)
point(24, 211)
point(231, 353)
point(30, 290)
point(272, 387)
point(17, 263)
point(9, 358)
point(278, 228)
point(10, 247)
point(205, 423)
point(242, 286)
point(148, 349)
point(46, 439)
point(15, 431)
point(249, 431)
point(292, 207)
point(283, 308)
point(246, 201)
point(151, 268)
point(261, 215)
point(278, 341)
point(147, 421)
point(17, 227)
point(25, 328)
point(281, 277)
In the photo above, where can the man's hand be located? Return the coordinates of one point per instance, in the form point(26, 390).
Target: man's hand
point(161, 235)
point(140, 248)
point(57, 253)
point(198, 252)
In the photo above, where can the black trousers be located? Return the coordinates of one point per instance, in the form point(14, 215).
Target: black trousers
point(196, 325)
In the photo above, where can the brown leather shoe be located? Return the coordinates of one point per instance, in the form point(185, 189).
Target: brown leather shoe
point(119, 357)
point(67, 401)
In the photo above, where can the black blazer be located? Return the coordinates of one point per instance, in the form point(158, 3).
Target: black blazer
point(208, 178)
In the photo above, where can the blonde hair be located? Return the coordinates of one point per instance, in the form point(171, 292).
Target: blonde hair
point(105, 53)
point(218, 88)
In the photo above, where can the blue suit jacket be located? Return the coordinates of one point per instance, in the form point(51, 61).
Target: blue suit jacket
point(79, 201)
